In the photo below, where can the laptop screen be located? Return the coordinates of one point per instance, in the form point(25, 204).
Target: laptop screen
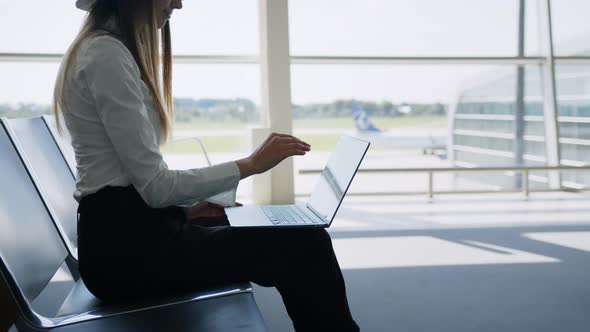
point(337, 176)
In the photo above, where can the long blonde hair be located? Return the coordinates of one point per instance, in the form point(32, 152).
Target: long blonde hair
point(143, 42)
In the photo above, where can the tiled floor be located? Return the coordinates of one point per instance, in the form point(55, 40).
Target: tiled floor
point(493, 262)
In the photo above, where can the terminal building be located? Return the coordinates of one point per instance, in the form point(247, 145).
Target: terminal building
point(483, 125)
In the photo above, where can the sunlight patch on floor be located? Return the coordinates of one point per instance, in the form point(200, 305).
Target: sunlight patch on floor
point(575, 240)
point(384, 252)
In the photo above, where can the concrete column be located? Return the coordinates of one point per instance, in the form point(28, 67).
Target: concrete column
point(275, 70)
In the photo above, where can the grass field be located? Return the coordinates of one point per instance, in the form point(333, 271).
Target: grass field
point(318, 142)
point(381, 122)
point(212, 144)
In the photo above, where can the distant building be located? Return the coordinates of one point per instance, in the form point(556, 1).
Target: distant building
point(483, 124)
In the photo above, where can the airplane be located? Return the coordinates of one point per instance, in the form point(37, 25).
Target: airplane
point(430, 141)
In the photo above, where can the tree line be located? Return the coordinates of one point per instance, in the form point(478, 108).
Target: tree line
point(245, 110)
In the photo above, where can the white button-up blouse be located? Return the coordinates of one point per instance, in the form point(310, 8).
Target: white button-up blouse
point(115, 132)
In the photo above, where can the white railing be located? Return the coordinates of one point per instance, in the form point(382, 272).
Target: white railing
point(524, 170)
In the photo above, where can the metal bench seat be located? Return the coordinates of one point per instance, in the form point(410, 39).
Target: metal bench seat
point(80, 300)
point(232, 313)
point(35, 266)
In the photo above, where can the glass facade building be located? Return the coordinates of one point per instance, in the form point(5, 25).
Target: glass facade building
point(484, 124)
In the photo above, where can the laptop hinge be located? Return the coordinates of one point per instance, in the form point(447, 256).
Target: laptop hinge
point(317, 214)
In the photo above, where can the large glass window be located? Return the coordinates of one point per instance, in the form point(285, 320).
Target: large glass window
point(424, 116)
point(490, 114)
point(493, 115)
point(25, 84)
point(214, 101)
point(38, 26)
point(411, 28)
point(573, 97)
point(201, 27)
point(571, 30)
point(217, 103)
point(219, 27)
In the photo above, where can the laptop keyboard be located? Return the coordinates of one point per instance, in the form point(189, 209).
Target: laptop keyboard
point(286, 214)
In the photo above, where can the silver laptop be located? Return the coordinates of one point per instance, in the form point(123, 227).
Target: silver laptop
point(324, 201)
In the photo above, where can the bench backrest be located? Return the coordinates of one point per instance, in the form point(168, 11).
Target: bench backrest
point(63, 139)
point(31, 249)
point(51, 173)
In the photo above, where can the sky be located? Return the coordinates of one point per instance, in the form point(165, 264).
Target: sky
point(317, 27)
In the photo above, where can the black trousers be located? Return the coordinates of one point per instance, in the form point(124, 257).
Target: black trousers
point(127, 250)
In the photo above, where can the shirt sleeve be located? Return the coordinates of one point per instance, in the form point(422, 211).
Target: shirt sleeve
point(114, 82)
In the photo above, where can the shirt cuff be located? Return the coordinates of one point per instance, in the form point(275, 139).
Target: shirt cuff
point(228, 198)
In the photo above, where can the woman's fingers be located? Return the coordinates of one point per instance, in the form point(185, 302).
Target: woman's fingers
point(287, 137)
point(296, 147)
point(275, 149)
point(294, 152)
point(289, 140)
point(286, 147)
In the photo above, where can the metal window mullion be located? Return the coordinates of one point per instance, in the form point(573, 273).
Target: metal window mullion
point(178, 59)
point(551, 106)
point(396, 60)
point(572, 60)
point(520, 107)
point(318, 60)
point(30, 57)
point(216, 59)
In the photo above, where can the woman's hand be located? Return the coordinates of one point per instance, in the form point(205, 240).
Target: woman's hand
point(276, 148)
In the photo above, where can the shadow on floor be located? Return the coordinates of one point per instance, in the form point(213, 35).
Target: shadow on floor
point(496, 297)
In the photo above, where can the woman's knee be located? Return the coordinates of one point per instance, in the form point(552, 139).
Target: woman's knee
point(322, 237)
point(317, 241)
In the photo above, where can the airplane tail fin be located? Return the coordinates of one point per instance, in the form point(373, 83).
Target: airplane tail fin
point(361, 120)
